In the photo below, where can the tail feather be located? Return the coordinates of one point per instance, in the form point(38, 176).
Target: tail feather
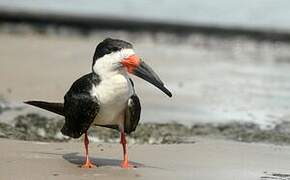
point(49, 106)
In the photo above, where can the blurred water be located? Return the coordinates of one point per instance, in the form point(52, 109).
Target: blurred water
point(212, 79)
point(271, 14)
point(221, 81)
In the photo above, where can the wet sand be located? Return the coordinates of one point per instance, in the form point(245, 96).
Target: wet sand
point(205, 159)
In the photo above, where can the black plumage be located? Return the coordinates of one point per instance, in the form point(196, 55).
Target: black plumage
point(50, 106)
point(132, 115)
point(108, 46)
point(80, 108)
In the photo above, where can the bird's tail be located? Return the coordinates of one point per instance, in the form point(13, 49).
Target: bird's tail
point(49, 106)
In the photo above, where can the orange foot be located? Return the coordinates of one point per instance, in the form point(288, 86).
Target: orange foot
point(126, 165)
point(88, 165)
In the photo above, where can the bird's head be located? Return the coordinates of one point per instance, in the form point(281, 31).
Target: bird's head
point(117, 56)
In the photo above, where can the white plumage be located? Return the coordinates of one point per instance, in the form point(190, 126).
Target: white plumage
point(114, 90)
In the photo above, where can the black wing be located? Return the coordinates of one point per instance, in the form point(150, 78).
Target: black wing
point(132, 115)
point(49, 106)
point(80, 108)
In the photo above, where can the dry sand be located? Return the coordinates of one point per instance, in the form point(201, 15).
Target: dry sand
point(203, 160)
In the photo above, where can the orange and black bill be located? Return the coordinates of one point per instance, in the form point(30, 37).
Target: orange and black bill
point(139, 68)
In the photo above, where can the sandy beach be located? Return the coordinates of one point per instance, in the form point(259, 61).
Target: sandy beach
point(205, 159)
point(213, 80)
point(226, 63)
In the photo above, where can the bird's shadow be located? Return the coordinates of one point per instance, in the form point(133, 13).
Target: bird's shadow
point(77, 159)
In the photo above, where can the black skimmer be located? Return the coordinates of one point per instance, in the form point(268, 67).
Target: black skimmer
point(106, 96)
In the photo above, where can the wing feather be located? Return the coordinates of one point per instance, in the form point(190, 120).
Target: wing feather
point(80, 108)
point(132, 115)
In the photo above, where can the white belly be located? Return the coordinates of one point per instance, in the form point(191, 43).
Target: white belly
point(113, 95)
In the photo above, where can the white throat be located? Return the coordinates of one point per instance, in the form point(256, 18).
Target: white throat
point(115, 87)
point(109, 64)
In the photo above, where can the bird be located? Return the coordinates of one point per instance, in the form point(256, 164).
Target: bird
point(106, 96)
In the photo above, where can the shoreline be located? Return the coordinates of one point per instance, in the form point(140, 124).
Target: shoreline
point(36, 127)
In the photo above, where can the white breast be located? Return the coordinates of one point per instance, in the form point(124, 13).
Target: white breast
point(113, 94)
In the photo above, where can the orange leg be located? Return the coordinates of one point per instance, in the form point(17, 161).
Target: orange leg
point(88, 163)
point(125, 164)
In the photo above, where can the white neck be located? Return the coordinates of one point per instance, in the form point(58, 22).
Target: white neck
point(115, 88)
point(109, 65)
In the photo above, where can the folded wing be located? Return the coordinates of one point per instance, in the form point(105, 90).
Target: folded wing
point(132, 114)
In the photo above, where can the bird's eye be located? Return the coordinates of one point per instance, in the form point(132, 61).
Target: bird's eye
point(114, 49)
